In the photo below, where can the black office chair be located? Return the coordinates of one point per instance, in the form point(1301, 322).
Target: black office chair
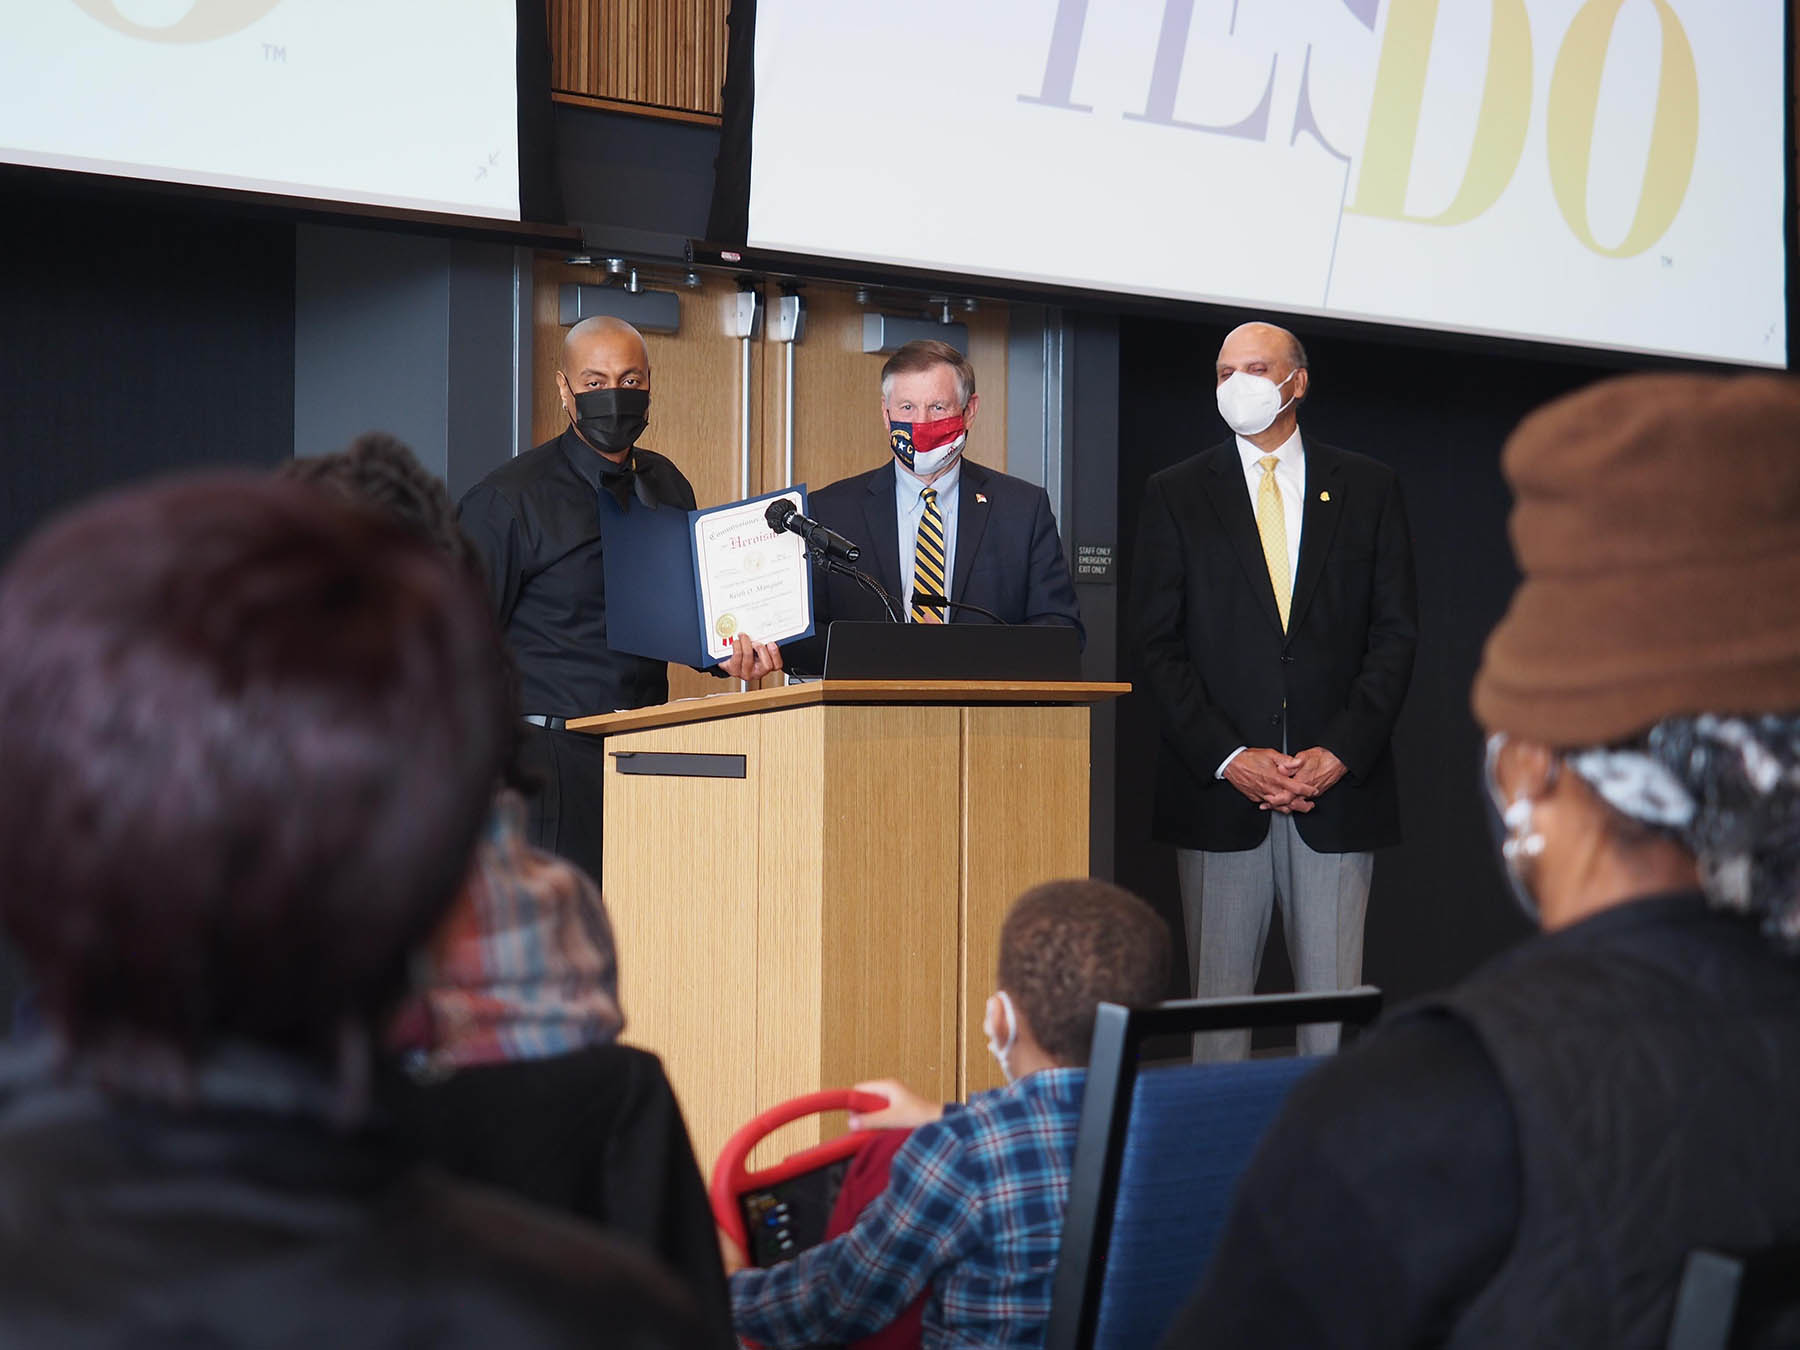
point(1158, 1154)
point(1727, 1302)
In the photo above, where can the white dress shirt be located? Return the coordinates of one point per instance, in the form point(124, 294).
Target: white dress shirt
point(1290, 481)
point(909, 509)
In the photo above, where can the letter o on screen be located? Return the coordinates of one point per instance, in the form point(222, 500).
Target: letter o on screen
point(1674, 134)
point(208, 19)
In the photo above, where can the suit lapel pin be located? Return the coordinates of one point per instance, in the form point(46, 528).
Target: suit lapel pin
point(1324, 496)
point(981, 497)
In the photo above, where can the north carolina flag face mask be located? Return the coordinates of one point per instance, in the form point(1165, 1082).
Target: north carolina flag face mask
point(925, 448)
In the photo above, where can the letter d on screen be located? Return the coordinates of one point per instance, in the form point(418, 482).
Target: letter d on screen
point(1393, 133)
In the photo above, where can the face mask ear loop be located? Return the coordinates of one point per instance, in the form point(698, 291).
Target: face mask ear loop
point(1290, 399)
point(1003, 1053)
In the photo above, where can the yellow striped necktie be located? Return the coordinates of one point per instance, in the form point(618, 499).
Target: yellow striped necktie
point(1271, 524)
point(928, 559)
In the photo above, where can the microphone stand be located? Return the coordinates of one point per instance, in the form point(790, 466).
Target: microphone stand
point(830, 564)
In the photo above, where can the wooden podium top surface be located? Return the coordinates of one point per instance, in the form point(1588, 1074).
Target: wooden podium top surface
point(847, 691)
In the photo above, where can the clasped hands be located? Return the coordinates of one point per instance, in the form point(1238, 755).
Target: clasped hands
point(1289, 784)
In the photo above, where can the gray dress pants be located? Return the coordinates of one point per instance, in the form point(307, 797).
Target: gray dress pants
point(1226, 899)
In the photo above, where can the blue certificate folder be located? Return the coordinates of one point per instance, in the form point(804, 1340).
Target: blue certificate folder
point(652, 564)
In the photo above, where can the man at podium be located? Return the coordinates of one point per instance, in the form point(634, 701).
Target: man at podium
point(535, 522)
point(951, 540)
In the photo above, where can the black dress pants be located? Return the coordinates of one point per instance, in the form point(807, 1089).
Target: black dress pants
point(567, 807)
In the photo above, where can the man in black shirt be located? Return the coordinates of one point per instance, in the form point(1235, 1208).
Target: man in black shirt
point(535, 521)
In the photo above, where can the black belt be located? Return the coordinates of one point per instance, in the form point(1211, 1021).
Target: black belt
point(553, 723)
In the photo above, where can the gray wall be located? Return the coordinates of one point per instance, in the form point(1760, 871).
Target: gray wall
point(1062, 433)
point(137, 339)
point(428, 339)
point(1090, 521)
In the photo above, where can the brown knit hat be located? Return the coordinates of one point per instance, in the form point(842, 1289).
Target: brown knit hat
point(1657, 522)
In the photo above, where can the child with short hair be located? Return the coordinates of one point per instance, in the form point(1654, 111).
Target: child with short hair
point(973, 1210)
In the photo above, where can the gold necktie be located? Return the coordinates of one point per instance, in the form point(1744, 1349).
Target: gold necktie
point(1271, 524)
point(928, 560)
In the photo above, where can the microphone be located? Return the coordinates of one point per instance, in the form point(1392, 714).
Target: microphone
point(932, 600)
point(782, 515)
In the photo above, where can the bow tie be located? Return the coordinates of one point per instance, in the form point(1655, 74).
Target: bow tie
point(623, 481)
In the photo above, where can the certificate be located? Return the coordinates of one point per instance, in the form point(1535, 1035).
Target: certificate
point(752, 580)
point(680, 584)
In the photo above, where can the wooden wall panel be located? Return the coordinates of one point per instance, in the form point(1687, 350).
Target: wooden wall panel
point(662, 58)
point(987, 353)
point(837, 390)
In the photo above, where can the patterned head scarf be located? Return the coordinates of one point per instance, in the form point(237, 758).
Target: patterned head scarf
point(523, 967)
point(1728, 788)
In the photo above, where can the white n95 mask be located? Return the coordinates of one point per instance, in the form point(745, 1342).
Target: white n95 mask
point(1250, 403)
point(1002, 1053)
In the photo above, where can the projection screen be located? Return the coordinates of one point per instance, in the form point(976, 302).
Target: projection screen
point(378, 102)
point(1607, 173)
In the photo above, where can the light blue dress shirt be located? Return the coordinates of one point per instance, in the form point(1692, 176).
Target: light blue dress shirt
point(909, 507)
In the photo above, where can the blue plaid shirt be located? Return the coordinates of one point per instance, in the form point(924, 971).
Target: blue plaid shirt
point(973, 1209)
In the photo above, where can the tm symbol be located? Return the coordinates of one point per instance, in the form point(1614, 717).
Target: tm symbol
point(275, 52)
point(481, 170)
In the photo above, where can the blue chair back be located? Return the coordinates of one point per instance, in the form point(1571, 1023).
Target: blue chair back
point(1191, 1132)
point(1157, 1156)
point(1729, 1301)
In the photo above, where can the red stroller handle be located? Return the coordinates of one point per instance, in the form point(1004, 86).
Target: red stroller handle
point(731, 1178)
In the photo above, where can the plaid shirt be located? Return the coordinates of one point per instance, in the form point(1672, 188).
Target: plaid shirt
point(973, 1208)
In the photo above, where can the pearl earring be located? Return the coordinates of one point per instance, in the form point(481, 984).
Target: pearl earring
point(1522, 841)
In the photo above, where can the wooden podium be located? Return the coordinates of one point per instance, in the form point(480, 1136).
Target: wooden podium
point(806, 883)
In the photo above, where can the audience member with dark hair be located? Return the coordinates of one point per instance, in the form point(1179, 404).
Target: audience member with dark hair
point(512, 1076)
point(1528, 1158)
point(379, 471)
point(249, 738)
point(975, 1201)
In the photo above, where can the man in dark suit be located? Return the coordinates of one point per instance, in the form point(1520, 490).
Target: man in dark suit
point(1277, 612)
point(931, 522)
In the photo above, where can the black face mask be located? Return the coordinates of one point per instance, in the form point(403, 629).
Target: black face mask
point(611, 420)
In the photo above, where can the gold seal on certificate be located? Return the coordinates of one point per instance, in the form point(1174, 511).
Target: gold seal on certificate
point(726, 625)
